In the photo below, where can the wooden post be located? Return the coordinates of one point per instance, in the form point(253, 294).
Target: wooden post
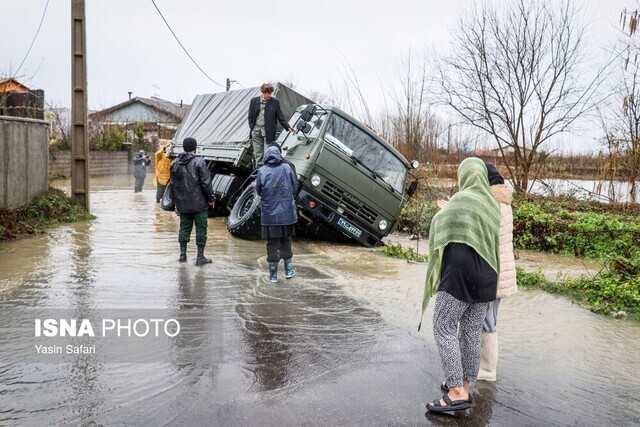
point(79, 141)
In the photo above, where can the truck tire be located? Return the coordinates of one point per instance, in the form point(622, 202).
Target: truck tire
point(244, 218)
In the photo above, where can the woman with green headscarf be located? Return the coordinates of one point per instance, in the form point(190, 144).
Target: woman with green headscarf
point(462, 273)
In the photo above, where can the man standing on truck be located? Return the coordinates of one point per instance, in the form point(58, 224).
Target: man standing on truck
point(190, 179)
point(264, 115)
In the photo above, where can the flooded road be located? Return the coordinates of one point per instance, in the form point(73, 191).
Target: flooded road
point(335, 346)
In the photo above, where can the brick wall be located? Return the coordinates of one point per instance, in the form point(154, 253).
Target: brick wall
point(100, 163)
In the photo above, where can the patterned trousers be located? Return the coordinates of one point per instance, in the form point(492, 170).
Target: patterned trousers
point(456, 328)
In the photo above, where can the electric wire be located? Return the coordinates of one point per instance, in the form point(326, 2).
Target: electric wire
point(183, 47)
point(33, 41)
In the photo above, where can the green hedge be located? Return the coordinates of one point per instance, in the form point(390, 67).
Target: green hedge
point(584, 234)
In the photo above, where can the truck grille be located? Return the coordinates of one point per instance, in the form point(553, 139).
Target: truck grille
point(353, 205)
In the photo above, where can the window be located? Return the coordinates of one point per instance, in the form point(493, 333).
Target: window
point(356, 143)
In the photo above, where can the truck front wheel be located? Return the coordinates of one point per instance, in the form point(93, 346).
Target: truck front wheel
point(244, 218)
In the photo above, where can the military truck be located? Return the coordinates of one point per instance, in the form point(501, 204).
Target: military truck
point(353, 184)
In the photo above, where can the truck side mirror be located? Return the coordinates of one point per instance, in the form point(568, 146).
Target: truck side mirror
point(413, 187)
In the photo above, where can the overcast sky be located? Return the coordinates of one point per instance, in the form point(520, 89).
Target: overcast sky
point(307, 42)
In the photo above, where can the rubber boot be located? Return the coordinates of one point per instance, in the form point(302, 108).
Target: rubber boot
point(273, 272)
point(289, 271)
point(488, 356)
point(183, 252)
point(201, 259)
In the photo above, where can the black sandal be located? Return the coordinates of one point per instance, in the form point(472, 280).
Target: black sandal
point(451, 405)
point(445, 389)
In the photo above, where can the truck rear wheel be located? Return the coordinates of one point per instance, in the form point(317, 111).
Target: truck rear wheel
point(244, 218)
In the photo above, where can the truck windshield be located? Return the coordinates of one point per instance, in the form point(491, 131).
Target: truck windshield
point(352, 140)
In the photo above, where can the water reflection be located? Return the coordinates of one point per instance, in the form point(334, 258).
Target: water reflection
point(303, 329)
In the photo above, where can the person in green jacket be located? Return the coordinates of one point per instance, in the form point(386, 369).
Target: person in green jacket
point(463, 274)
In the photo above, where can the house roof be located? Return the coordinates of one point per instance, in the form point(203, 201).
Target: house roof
point(162, 105)
point(12, 85)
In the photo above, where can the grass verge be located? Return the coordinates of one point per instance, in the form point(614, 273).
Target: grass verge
point(46, 211)
point(607, 292)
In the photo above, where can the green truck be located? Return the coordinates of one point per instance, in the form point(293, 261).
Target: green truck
point(353, 184)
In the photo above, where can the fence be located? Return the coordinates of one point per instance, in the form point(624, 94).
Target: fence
point(24, 148)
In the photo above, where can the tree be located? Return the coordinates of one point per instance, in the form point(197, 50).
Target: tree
point(621, 123)
point(515, 72)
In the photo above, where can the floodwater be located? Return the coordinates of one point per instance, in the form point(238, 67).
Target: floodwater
point(588, 189)
point(335, 346)
point(604, 191)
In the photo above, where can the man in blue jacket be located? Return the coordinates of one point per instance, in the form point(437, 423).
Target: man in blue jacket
point(276, 184)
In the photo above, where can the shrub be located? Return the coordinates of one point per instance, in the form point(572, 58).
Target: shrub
point(49, 209)
point(399, 251)
point(590, 234)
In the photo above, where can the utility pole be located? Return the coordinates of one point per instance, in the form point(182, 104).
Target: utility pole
point(79, 141)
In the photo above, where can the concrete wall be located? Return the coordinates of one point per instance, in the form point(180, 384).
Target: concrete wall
point(24, 149)
point(100, 163)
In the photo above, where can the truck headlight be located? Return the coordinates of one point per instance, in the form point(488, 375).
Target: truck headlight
point(383, 224)
point(315, 180)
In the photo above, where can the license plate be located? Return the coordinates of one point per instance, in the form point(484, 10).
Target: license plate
point(352, 229)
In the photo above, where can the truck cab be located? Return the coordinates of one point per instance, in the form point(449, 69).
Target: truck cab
point(351, 180)
point(349, 177)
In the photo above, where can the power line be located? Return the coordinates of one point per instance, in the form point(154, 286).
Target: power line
point(33, 41)
point(184, 48)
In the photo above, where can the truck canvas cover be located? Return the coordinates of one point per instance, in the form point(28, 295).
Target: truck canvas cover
point(219, 121)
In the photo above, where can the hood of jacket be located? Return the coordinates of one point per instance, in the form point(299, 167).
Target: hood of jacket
point(184, 158)
point(503, 193)
point(272, 156)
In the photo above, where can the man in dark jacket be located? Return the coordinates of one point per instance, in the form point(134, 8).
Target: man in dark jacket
point(140, 163)
point(192, 195)
point(264, 115)
point(276, 184)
